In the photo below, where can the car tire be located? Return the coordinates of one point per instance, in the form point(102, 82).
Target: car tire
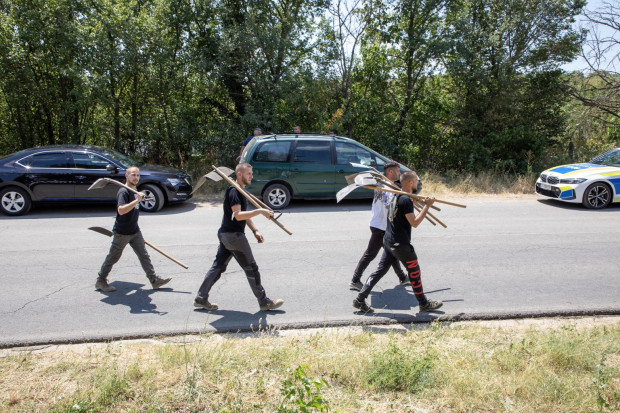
point(157, 203)
point(277, 196)
point(14, 201)
point(597, 196)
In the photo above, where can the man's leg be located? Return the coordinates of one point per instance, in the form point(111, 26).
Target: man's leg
point(239, 247)
point(116, 250)
point(406, 254)
point(384, 265)
point(374, 246)
point(139, 247)
point(222, 258)
point(404, 280)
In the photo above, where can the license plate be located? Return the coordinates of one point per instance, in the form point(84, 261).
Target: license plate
point(545, 186)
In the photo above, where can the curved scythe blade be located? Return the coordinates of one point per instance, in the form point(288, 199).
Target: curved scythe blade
point(346, 191)
point(214, 176)
point(365, 179)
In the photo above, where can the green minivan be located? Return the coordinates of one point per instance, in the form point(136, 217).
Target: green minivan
point(306, 166)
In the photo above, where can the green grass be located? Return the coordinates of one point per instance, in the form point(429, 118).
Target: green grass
point(571, 365)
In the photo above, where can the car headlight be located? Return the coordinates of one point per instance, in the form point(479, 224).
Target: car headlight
point(573, 180)
point(173, 181)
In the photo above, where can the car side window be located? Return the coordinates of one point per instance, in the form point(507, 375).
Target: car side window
point(313, 152)
point(612, 158)
point(85, 160)
point(274, 151)
point(347, 153)
point(46, 160)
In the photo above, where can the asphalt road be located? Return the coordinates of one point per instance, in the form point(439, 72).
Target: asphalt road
point(499, 258)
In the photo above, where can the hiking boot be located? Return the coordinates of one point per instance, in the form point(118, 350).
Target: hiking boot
point(430, 306)
point(102, 284)
point(362, 306)
point(203, 303)
point(157, 282)
point(356, 285)
point(271, 305)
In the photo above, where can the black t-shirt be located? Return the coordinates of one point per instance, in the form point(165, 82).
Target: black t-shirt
point(126, 224)
point(398, 227)
point(232, 198)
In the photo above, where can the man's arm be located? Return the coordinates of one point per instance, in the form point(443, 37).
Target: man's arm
point(126, 208)
point(240, 215)
point(416, 220)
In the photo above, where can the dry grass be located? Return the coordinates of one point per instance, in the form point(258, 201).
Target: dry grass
point(479, 184)
point(451, 184)
point(568, 366)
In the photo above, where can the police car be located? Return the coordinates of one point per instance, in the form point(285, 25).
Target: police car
point(595, 184)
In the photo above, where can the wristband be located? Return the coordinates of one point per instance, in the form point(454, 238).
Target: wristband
point(254, 231)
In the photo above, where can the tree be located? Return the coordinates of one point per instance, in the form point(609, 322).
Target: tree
point(504, 62)
point(600, 89)
point(43, 71)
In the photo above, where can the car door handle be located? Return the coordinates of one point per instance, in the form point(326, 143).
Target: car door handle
point(341, 171)
point(80, 177)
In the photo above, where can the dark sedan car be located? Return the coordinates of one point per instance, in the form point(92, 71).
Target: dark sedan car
point(64, 174)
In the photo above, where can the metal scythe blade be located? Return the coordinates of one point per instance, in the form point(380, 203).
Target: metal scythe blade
point(99, 183)
point(200, 182)
point(365, 179)
point(101, 230)
point(103, 182)
point(217, 177)
point(346, 191)
point(214, 176)
point(350, 179)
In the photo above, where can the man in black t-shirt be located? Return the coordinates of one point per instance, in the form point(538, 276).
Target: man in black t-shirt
point(126, 231)
point(397, 246)
point(233, 243)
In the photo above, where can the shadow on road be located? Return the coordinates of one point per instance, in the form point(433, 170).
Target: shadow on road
point(231, 320)
point(396, 298)
point(133, 296)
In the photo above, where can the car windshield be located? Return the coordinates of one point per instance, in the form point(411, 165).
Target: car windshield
point(124, 160)
point(611, 158)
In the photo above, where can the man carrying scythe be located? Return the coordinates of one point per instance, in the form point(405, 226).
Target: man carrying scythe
point(233, 243)
point(126, 231)
point(397, 245)
point(378, 223)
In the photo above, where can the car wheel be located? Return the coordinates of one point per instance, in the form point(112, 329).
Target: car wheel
point(277, 196)
point(156, 203)
point(14, 201)
point(597, 196)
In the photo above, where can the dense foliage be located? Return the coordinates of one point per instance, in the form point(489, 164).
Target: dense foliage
point(437, 84)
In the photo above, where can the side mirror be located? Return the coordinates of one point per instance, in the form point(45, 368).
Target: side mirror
point(111, 168)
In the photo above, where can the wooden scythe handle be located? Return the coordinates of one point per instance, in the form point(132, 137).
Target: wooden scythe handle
point(412, 196)
point(250, 198)
point(428, 214)
point(165, 255)
point(135, 191)
point(418, 209)
point(386, 182)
